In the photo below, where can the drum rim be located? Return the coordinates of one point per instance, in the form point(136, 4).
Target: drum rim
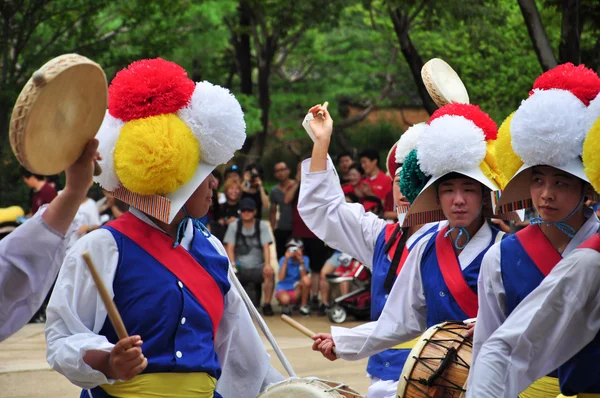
point(32, 91)
point(436, 90)
point(317, 382)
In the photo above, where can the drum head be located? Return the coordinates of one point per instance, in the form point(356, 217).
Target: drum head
point(309, 388)
point(443, 84)
point(59, 110)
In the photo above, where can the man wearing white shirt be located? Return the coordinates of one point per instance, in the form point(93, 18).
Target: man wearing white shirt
point(453, 191)
point(31, 255)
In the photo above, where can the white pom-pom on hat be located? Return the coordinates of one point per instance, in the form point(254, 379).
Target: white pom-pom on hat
point(592, 114)
point(217, 121)
point(408, 141)
point(547, 129)
point(450, 143)
point(107, 136)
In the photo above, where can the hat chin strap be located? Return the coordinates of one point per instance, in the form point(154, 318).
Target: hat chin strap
point(183, 224)
point(562, 224)
point(462, 231)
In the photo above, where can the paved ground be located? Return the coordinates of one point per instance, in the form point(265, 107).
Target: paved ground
point(24, 372)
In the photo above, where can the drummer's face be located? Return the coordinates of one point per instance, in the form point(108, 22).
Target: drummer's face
point(461, 200)
point(198, 204)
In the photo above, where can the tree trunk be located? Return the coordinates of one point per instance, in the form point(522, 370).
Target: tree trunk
point(570, 33)
point(538, 36)
point(243, 50)
point(412, 56)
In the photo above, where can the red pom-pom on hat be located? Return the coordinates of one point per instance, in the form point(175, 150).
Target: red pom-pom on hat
point(472, 113)
point(147, 88)
point(582, 82)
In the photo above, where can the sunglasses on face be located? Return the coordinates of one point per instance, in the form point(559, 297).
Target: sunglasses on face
point(246, 211)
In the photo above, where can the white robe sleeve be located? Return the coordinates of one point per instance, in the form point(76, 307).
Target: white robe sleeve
point(30, 258)
point(492, 299)
point(76, 313)
point(549, 327)
point(403, 317)
point(246, 369)
point(343, 226)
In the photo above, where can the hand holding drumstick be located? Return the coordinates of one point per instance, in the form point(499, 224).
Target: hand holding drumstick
point(323, 342)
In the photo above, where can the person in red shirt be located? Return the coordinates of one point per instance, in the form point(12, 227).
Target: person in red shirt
point(381, 184)
point(43, 192)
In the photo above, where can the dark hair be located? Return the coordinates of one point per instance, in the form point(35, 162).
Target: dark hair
point(232, 169)
point(352, 197)
point(357, 167)
point(371, 154)
point(26, 173)
point(343, 154)
point(257, 167)
point(55, 179)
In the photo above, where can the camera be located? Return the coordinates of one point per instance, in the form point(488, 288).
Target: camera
point(293, 249)
point(254, 175)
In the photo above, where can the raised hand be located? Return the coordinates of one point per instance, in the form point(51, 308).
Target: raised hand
point(322, 127)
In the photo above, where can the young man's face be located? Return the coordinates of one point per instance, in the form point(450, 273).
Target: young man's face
point(247, 215)
point(555, 193)
point(399, 199)
point(282, 172)
point(368, 165)
point(461, 200)
point(344, 164)
point(198, 204)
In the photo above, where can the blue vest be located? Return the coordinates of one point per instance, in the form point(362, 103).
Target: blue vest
point(176, 329)
point(520, 276)
point(441, 305)
point(387, 364)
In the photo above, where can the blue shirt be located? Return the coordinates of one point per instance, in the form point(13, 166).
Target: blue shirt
point(292, 273)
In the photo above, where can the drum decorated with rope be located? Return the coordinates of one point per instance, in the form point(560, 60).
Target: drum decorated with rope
point(58, 111)
point(439, 363)
point(309, 387)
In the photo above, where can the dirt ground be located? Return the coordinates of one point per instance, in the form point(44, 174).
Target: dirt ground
point(24, 372)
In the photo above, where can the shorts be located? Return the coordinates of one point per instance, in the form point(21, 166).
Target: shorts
point(334, 259)
point(316, 250)
point(291, 293)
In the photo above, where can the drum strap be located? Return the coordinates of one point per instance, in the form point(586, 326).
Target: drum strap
point(538, 248)
point(453, 277)
point(592, 243)
point(177, 260)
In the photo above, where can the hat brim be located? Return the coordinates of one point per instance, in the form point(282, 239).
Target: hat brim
point(516, 194)
point(426, 207)
point(165, 208)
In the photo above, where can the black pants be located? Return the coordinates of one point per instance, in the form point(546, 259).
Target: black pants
point(251, 280)
point(281, 238)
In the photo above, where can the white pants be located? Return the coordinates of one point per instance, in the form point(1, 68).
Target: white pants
point(382, 388)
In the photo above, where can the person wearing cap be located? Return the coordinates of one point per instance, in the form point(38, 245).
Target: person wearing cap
point(190, 334)
point(543, 139)
point(380, 246)
point(31, 255)
point(248, 242)
point(438, 279)
point(516, 352)
point(294, 278)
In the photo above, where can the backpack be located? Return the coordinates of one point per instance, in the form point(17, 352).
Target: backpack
point(241, 244)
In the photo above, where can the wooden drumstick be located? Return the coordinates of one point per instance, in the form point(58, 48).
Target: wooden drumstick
point(113, 313)
point(322, 115)
point(300, 327)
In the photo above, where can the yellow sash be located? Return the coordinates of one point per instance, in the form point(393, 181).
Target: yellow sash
point(545, 387)
point(164, 385)
point(408, 344)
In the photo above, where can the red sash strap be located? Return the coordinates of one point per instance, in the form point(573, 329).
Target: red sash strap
point(177, 260)
point(402, 260)
point(592, 243)
point(539, 248)
point(452, 273)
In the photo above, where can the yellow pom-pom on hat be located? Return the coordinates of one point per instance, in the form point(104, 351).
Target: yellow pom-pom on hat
point(508, 161)
point(591, 155)
point(156, 155)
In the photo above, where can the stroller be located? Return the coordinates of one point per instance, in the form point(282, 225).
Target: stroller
point(356, 303)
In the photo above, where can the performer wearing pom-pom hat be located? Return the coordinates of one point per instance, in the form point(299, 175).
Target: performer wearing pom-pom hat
point(381, 246)
point(541, 144)
point(557, 325)
point(161, 138)
point(450, 184)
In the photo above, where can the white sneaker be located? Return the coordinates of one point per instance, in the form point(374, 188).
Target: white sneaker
point(305, 310)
